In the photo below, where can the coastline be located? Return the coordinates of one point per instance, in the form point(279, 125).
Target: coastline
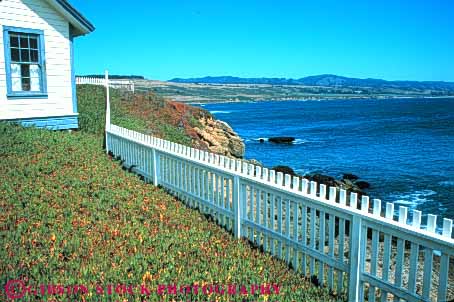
point(192, 93)
point(397, 97)
point(330, 136)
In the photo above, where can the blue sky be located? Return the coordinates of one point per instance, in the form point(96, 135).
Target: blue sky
point(163, 39)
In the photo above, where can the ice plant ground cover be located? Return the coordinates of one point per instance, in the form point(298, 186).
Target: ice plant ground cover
point(70, 215)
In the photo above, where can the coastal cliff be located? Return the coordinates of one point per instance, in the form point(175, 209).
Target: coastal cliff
point(206, 132)
point(220, 137)
point(180, 123)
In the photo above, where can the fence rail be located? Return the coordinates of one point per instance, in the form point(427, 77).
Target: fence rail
point(354, 246)
point(119, 84)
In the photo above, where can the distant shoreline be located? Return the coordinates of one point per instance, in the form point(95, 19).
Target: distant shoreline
point(195, 102)
point(226, 93)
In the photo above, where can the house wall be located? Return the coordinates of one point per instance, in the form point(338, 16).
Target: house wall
point(37, 14)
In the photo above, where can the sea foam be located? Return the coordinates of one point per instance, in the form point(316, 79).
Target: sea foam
point(412, 199)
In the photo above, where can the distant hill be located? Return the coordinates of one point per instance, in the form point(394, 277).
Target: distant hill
point(327, 80)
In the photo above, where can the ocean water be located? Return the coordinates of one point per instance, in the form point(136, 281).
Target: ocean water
point(403, 147)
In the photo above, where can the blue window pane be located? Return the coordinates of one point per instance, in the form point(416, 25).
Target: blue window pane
point(25, 84)
point(25, 70)
point(25, 55)
point(14, 41)
point(34, 56)
point(15, 55)
point(24, 42)
point(33, 43)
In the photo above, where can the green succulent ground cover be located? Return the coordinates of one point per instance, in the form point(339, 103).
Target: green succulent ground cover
point(70, 215)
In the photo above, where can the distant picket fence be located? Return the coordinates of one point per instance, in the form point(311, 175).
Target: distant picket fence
point(353, 246)
point(118, 84)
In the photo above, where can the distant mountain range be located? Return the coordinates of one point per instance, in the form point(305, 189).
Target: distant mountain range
point(326, 80)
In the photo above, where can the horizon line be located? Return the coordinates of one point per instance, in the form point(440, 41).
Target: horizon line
point(303, 77)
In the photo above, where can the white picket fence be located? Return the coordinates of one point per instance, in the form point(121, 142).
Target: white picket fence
point(118, 84)
point(356, 250)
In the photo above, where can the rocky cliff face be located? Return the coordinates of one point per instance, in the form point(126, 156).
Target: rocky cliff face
point(220, 137)
point(188, 125)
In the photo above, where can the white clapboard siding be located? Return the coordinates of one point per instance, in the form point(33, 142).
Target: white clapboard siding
point(37, 14)
point(360, 253)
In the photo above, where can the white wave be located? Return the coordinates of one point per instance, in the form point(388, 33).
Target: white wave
point(220, 111)
point(413, 199)
point(446, 183)
point(306, 171)
point(299, 141)
point(404, 202)
point(260, 139)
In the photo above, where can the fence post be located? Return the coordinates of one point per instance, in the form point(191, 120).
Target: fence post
point(237, 206)
point(107, 109)
point(355, 259)
point(155, 167)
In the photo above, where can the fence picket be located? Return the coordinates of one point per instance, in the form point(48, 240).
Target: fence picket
point(414, 253)
point(362, 243)
point(279, 201)
point(428, 259)
point(304, 186)
point(400, 252)
point(331, 235)
point(387, 251)
point(287, 228)
point(272, 214)
point(341, 252)
point(323, 192)
point(295, 234)
point(444, 264)
point(331, 238)
point(266, 207)
point(237, 201)
point(258, 198)
point(304, 231)
point(321, 246)
point(312, 238)
point(374, 249)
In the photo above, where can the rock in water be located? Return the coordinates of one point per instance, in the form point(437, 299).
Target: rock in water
point(281, 139)
point(322, 179)
point(254, 162)
point(350, 176)
point(361, 184)
point(285, 170)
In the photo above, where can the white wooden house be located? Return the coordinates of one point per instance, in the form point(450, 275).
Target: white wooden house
point(37, 80)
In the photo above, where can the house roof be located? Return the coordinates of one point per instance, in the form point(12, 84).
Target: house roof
point(80, 24)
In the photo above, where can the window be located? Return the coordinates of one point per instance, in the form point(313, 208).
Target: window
point(24, 58)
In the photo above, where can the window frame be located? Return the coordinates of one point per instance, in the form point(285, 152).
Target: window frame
point(7, 31)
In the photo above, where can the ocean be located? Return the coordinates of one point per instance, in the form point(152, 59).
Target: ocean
point(403, 147)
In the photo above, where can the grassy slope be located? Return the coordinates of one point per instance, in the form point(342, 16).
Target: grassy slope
point(70, 215)
point(147, 113)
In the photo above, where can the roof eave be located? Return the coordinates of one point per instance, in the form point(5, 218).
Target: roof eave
point(80, 24)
